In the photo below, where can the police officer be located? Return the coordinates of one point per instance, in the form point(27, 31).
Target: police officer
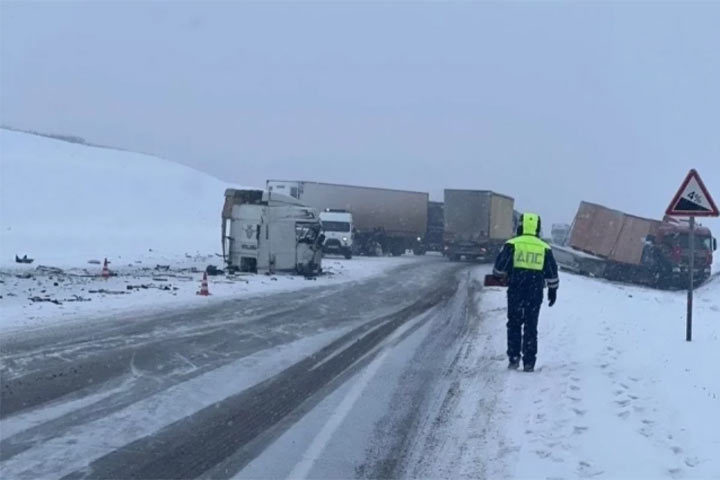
point(529, 264)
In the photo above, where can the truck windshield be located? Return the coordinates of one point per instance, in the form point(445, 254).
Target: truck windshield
point(701, 242)
point(336, 226)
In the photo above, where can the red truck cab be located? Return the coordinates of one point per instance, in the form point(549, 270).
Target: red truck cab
point(671, 252)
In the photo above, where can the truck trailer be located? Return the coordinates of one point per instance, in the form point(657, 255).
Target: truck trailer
point(385, 220)
point(477, 223)
point(639, 250)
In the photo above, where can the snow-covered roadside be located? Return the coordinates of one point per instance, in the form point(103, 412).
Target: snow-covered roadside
point(84, 294)
point(619, 392)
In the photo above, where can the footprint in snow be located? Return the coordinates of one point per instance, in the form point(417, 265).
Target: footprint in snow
point(692, 462)
point(574, 388)
point(577, 430)
point(579, 412)
point(622, 403)
point(624, 414)
point(676, 450)
point(675, 472)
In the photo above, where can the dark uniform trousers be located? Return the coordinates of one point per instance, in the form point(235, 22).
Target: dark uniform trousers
point(523, 313)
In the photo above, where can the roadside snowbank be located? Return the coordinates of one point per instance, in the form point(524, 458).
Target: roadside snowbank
point(619, 392)
point(32, 298)
point(64, 204)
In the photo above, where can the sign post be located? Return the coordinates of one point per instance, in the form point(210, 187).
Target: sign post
point(692, 200)
point(691, 285)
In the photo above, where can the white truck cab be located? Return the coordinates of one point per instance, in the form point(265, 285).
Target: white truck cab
point(337, 225)
point(270, 232)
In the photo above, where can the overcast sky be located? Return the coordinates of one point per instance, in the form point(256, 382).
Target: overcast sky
point(551, 103)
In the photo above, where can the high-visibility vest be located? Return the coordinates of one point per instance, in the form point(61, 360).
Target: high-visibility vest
point(529, 252)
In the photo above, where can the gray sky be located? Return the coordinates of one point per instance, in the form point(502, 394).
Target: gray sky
point(551, 103)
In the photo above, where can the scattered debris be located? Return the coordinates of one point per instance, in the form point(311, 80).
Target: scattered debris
point(77, 298)
point(162, 267)
point(110, 292)
point(44, 299)
point(213, 270)
point(159, 279)
point(24, 259)
point(50, 270)
point(94, 262)
point(24, 276)
point(146, 286)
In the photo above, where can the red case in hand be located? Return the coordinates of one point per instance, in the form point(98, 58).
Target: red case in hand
point(493, 281)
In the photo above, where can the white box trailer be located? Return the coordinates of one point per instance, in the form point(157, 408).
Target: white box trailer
point(392, 219)
point(270, 233)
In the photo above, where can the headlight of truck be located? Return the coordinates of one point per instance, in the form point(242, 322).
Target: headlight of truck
point(419, 239)
point(344, 239)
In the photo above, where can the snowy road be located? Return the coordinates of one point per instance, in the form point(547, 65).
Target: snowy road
point(177, 394)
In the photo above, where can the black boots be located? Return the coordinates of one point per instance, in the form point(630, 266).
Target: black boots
point(514, 364)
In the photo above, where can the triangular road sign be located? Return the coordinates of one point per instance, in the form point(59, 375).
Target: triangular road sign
point(693, 199)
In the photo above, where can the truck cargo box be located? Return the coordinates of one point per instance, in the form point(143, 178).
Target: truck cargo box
point(596, 229)
point(631, 239)
point(399, 213)
point(478, 215)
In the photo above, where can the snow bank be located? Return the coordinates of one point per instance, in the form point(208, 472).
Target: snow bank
point(64, 203)
point(619, 392)
point(33, 298)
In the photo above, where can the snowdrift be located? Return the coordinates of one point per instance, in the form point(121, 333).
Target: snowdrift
point(65, 203)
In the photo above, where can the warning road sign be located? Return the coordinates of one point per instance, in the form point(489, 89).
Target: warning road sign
point(693, 199)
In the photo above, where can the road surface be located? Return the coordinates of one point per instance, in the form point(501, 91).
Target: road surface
point(351, 370)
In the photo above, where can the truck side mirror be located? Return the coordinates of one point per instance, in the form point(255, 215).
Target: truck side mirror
point(714, 244)
point(321, 239)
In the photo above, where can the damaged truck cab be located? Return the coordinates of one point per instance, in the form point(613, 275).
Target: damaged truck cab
point(262, 231)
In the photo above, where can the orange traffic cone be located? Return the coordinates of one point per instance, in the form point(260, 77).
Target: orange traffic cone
point(204, 290)
point(105, 270)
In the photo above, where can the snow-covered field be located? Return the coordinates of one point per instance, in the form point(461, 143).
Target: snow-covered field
point(64, 204)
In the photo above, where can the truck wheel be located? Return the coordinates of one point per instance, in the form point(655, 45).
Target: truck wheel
point(418, 251)
point(348, 254)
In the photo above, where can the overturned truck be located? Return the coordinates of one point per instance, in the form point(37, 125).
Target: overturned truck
point(618, 246)
point(262, 231)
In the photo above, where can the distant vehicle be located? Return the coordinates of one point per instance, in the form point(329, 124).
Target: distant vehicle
point(620, 246)
point(432, 241)
point(477, 223)
point(337, 225)
point(385, 221)
point(270, 232)
point(560, 233)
